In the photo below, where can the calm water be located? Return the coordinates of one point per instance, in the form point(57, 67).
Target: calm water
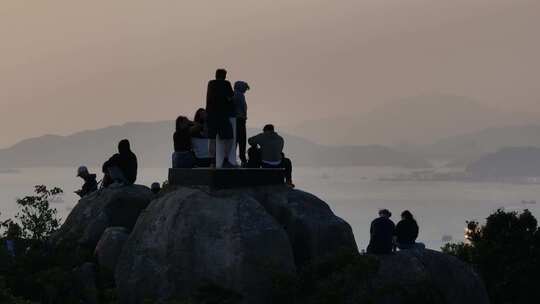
point(355, 194)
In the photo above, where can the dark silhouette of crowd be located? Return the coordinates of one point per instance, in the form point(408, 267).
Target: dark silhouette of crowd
point(215, 138)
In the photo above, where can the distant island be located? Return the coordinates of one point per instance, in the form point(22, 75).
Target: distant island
point(152, 141)
point(511, 165)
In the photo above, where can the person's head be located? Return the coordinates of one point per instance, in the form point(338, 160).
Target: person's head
point(221, 74)
point(155, 187)
point(123, 146)
point(182, 122)
point(14, 231)
point(269, 128)
point(82, 172)
point(385, 213)
point(200, 116)
point(241, 86)
point(407, 215)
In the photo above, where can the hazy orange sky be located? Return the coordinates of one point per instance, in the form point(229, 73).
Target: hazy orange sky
point(68, 65)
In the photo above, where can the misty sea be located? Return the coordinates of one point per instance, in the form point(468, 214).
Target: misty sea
point(355, 194)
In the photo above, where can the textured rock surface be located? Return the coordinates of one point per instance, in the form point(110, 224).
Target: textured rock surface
point(110, 246)
point(104, 208)
point(313, 229)
point(188, 238)
point(427, 274)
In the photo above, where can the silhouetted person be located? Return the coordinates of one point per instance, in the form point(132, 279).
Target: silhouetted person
point(382, 233)
point(90, 184)
point(219, 107)
point(121, 167)
point(12, 240)
point(271, 145)
point(155, 188)
point(406, 232)
point(199, 139)
point(254, 157)
point(240, 104)
point(182, 156)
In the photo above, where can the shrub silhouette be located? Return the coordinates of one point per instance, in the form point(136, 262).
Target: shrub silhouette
point(506, 253)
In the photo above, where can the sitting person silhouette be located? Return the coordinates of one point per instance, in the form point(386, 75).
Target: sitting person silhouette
point(254, 157)
point(381, 232)
point(199, 139)
point(90, 184)
point(406, 232)
point(219, 106)
point(182, 156)
point(121, 168)
point(155, 188)
point(270, 145)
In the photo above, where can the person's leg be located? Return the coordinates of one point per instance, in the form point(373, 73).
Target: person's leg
point(212, 133)
point(241, 138)
point(219, 152)
point(231, 156)
point(287, 165)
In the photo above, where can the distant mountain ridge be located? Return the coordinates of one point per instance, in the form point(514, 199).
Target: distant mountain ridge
point(152, 142)
point(469, 147)
point(418, 120)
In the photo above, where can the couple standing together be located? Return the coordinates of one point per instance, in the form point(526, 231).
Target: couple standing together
point(226, 120)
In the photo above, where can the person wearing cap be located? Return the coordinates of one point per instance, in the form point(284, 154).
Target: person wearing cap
point(90, 185)
point(382, 234)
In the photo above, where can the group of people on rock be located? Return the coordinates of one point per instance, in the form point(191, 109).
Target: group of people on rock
point(385, 237)
point(218, 133)
point(211, 139)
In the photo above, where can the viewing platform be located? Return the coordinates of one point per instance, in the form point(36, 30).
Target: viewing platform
point(226, 177)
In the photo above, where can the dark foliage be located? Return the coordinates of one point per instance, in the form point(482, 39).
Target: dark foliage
point(506, 253)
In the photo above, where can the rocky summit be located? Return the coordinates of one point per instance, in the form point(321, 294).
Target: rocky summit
point(236, 242)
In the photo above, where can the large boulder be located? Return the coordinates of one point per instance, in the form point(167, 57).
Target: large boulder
point(428, 275)
point(313, 229)
point(190, 238)
point(110, 246)
point(119, 206)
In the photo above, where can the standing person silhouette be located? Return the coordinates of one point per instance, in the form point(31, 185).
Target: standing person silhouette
point(240, 89)
point(219, 106)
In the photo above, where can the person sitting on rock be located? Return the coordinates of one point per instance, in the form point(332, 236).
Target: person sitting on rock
point(382, 233)
point(199, 139)
point(219, 107)
point(155, 188)
point(271, 147)
point(90, 184)
point(121, 168)
point(183, 154)
point(406, 232)
point(13, 237)
point(254, 157)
